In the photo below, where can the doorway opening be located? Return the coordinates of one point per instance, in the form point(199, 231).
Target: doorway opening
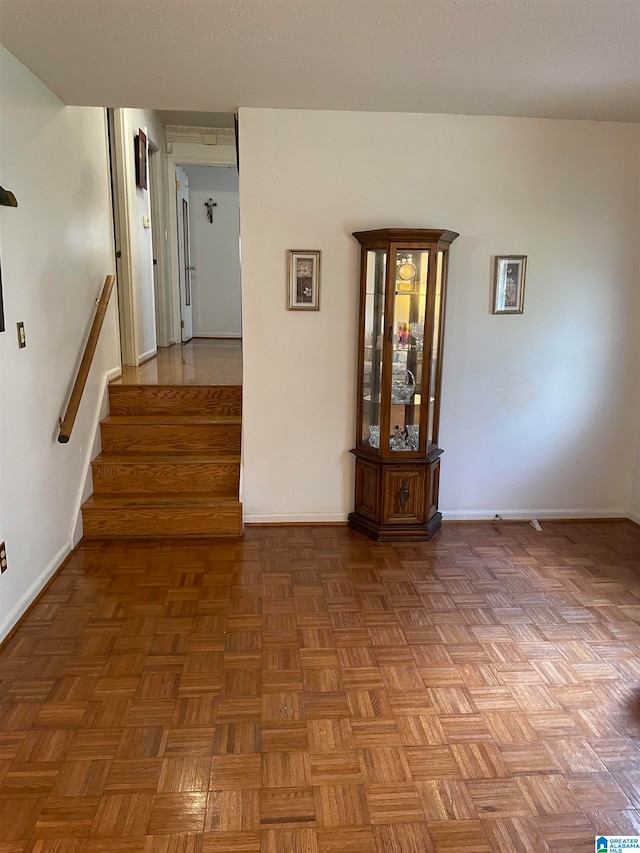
point(157, 192)
point(176, 234)
point(207, 239)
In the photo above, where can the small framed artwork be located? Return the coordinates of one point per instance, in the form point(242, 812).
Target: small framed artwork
point(303, 292)
point(508, 284)
point(141, 159)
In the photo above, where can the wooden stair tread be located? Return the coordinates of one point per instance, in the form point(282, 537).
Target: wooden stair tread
point(179, 499)
point(176, 391)
point(162, 419)
point(118, 385)
point(167, 458)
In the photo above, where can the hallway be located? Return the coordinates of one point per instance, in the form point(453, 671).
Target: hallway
point(201, 361)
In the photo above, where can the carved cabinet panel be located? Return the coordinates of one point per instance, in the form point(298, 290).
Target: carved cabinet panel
point(367, 496)
point(403, 496)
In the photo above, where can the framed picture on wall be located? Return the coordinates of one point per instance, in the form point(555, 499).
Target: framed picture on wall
point(141, 159)
point(303, 288)
point(508, 284)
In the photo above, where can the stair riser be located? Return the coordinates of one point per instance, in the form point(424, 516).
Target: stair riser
point(179, 447)
point(163, 521)
point(161, 438)
point(175, 400)
point(160, 477)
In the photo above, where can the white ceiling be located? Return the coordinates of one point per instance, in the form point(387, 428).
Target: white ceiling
point(548, 58)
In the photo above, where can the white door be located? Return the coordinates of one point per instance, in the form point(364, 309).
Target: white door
point(184, 255)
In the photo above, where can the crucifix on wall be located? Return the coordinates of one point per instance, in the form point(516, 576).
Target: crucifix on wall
point(210, 205)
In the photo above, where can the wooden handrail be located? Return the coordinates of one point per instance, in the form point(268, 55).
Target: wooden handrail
point(67, 422)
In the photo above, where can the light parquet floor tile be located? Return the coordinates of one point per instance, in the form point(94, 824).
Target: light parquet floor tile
point(305, 690)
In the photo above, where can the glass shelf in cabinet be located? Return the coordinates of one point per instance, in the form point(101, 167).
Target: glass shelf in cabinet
point(414, 401)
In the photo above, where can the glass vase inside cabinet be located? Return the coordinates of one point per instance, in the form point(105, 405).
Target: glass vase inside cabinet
point(402, 299)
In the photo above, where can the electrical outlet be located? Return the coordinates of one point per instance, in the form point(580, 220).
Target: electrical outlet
point(3, 558)
point(22, 338)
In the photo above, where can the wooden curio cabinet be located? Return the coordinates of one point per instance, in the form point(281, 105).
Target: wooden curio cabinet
point(402, 299)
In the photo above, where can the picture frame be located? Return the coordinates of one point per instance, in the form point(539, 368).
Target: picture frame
point(303, 286)
point(508, 284)
point(141, 159)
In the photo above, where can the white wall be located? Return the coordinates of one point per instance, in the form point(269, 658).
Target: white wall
point(138, 207)
point(56, 249)
point(634, 506)
point(634, 503)
point(540, 412)
point(215, 251)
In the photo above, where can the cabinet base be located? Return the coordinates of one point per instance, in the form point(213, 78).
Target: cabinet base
point(395, 532)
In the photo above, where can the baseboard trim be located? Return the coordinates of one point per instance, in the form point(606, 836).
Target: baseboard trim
point(296, 518)
point(451, 515)
point(17, 613)
point(528, 514)
point(296, 524)
point(634, 516)
point(205, 336)
point(113, 374)
point(147, 356)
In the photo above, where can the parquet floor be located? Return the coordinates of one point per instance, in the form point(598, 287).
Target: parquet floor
point(305, 690)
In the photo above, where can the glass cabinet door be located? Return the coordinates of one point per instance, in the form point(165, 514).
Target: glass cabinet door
point(375, 272)
point(432, 437)
point(409, 370)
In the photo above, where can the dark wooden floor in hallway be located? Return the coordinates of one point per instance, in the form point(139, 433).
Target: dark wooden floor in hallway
point(305, 690)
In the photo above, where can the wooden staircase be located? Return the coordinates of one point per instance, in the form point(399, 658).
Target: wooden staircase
point(170, 463)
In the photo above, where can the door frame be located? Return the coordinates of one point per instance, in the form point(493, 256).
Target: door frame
point(211, 155)
point(182, 201)
point(122, 219)
point(125, 220)
point(164, 315)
